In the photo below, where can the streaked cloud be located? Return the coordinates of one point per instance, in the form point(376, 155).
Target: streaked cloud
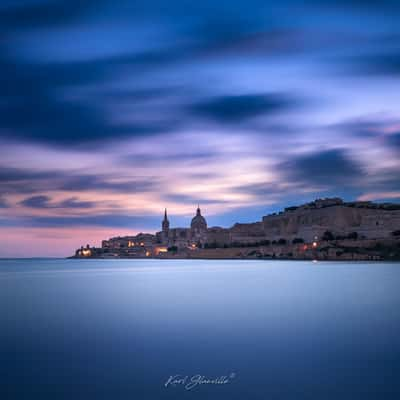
point(46, 202)
point(234, 109)
point(111, 111)
point(325, 168)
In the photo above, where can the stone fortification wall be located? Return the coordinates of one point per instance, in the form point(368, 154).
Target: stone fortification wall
point(247, 233)
point(338, 219)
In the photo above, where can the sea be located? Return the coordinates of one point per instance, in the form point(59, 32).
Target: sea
point(199, 329)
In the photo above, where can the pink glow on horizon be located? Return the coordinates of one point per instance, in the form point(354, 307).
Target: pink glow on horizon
point(53, 242)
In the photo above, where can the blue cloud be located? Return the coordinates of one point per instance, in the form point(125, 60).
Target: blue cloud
point(328, 168)
point(242, 107)
point(46, 202)
point(113, 78)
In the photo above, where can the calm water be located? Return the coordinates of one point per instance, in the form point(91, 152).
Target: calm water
point(99, 329)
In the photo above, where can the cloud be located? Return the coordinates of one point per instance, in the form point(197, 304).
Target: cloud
point(365, 128)
point(9, 174)
point(86, 83)
point(380, 63)
point(3, 203)
point(34, 107)
point(37, 202)
point(93, 183)
point(73, 202)
point(156, 160)
point(266, 190)
point(231, 109)
point(188, 199)
point(59, 102)
point(385, 129)
point(326, 168)
point(22, 181)
point(50, 102)
point(384, 63)
point(362, 5)
point(107, 220)
point(46, 202)
point(393, 140)
point(380, 196)
point(20, 17)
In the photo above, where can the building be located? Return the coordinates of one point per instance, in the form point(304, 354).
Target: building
point(330, 218)
point(195, 236)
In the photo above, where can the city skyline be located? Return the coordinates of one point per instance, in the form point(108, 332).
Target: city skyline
point(111, 112)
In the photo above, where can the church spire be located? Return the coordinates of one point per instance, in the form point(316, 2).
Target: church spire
point(198, 212)
point(165, 222)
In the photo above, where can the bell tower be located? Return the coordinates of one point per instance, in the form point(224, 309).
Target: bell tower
point(165, 223)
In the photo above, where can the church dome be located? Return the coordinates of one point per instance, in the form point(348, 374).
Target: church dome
point(198, 221)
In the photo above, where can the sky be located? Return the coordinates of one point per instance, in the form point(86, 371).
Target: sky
point(111, 111)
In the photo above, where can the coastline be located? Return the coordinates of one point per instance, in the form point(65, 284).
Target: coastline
point(325, 229)
point(355, 250)
point(236, 259)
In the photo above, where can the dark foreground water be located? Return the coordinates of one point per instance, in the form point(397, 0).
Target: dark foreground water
point(98, 329)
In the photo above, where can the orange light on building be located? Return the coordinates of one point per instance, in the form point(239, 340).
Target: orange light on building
point(141, 243)
point(86, 253)
point(148, 254)
point(161, 250)
point(193, 246)
point(315, 244)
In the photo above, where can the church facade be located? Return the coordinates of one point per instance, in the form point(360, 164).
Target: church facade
point(193, 237)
